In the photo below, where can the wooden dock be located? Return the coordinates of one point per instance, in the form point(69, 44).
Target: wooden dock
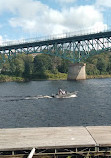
point(95, 140)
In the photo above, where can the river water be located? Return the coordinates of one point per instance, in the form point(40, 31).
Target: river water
point(92, 106)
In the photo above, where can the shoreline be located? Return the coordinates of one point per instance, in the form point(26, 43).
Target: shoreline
point(98, 76)
point(6, 78)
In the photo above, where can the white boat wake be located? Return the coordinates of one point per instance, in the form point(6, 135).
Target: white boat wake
point(38, 97)
point(18, 98)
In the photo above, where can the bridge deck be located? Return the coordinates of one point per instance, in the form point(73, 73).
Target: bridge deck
point(54, 137)
point(35, 43)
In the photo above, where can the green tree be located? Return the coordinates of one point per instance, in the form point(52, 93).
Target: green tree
point(55, 63)
point(109, 65)
point(1, 61)
point(28, 65)
point(39, 64)
point(19, 64)
point(91, 69)
point(101, 65)
point(6, 67)
point(63, 68)
point(12, 66)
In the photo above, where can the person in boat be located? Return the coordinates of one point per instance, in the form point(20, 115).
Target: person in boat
point(61, 92)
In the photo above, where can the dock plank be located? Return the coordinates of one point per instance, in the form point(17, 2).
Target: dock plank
point(45, 137)
point(101, 134)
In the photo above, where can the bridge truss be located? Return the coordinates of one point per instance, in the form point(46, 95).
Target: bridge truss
point(74, 48)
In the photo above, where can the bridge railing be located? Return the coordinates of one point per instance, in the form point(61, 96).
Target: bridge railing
point(53, 37)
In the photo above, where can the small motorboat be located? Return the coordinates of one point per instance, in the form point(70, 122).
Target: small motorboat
point(61, 94)
point(66, 95)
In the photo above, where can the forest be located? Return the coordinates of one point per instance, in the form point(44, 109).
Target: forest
point(44, 66)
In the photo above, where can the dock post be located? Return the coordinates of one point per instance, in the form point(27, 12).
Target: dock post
point(12, 152)
point(97, 148)
point(55, 156)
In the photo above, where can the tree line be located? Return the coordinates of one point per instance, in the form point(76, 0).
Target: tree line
point(41, 65)
point(30, 67)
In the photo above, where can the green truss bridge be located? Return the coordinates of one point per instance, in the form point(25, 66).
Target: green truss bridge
point(75, 47)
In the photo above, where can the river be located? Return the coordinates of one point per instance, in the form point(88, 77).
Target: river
point(92, 106)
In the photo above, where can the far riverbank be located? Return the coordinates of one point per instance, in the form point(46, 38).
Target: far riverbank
point(58, 76)
point(98, 76)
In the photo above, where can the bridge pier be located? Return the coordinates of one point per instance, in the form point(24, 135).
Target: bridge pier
point(77, 71)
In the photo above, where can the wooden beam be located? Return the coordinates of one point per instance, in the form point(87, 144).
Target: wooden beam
point(31, 153)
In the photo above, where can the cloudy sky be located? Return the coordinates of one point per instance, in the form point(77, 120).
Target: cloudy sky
point(33, 18)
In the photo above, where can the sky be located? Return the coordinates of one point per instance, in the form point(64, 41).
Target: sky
point(22, 19)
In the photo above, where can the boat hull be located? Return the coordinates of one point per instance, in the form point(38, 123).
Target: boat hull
point(68, 95)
